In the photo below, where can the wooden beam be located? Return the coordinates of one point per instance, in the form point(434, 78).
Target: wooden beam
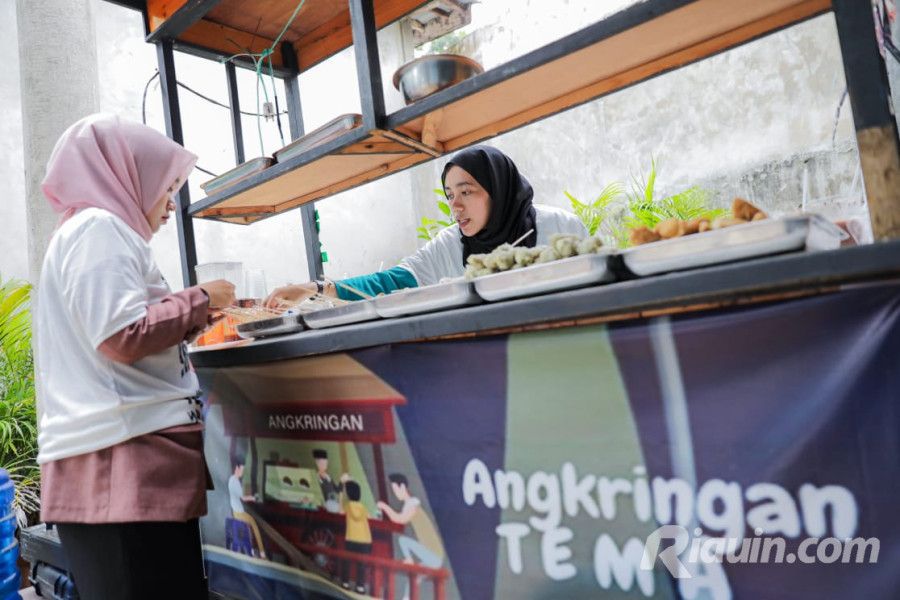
point(158, 11)
point(880, 163)
point(409, 139)
point(431, 127)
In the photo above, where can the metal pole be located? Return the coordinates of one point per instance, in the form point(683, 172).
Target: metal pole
point(876, 128)
point(314, 265)
point(172, 113)
point(368, 67)
point(237, 129)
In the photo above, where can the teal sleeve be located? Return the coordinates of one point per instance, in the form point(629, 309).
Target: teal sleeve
point(382, 282)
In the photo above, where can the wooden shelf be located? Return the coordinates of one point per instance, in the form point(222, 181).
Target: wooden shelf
point(223, 27)
point(632, 46)
point(355, 158)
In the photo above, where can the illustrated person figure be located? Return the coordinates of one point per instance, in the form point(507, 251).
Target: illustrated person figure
point(491, 204)
point(358, 537)
point(426, 548)
point(332, 491)
point(120, 426)
point(237, 498)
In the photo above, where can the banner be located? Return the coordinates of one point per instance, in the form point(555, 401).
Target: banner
point(734, 454)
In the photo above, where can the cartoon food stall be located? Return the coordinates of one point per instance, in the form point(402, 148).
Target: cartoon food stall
point(308, 432)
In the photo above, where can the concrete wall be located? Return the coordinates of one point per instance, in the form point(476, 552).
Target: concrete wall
point(757, 121)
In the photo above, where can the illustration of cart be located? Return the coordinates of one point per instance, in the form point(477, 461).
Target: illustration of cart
point(305, 428)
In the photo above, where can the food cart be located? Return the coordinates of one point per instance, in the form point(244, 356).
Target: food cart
point(740, 415)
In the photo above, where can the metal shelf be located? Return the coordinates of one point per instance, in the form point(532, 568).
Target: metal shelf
point(632, 46)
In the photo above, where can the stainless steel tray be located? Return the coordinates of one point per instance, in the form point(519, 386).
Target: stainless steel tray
point(352, 312)
point(289, 323)
point(239, 173)
point(568, 273)
point(326, 132)
point(760, 238)
point(426, 299)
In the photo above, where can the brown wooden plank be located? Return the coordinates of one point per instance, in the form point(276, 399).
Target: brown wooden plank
point(320, 29)
point(881, 176)
point(324, 177)
point(376, 173)
point(381, 145)
point(335, 34)
point(228, 40)
point(160, 10)
point(410, 140)
point(268, 17)
point(685, 35)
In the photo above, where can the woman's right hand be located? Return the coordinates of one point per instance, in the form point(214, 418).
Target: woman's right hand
point(290, 294)
point(221, 293)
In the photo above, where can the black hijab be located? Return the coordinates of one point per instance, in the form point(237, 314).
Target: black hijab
point(512, 213)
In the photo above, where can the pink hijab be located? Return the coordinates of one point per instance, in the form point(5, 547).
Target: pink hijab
point(120, 166)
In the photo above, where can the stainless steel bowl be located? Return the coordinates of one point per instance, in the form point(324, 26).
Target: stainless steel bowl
point(426, 75)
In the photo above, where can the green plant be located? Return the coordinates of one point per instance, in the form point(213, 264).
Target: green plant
point(647, 209)
point(599, 215)
point(18, 413)
point(431, 227)
point(613, 219)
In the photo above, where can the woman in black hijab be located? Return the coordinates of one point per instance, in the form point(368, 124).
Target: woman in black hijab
point(491, 204)
point(512, 213)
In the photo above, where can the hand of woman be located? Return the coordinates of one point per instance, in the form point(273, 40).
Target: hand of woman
point(290, 294)
point(221, 293)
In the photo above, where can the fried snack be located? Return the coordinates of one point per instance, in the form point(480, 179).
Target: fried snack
point(741, 209)
point(703, 226)
point(721, 222)
point(759, 216)
point(694, 225)
point(670, 228)
point(643, 235)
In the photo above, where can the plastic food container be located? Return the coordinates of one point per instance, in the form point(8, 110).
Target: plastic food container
point(426, 299)
point(564, 274)
point(352, 312)
point(739, 242)
point(325, 133)
point(239, 173)
point(289, 323)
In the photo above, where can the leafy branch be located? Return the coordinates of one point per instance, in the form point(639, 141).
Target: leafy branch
point(431, 227)
point(18, 412)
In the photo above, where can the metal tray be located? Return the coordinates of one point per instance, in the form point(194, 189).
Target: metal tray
point(289, 323)
point(325, 133)
point(352, 312)
point(567, 273)
point(426, 299)
point(760, 238)
point(239, 173)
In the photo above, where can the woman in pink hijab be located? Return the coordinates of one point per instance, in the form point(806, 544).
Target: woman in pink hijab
point(119, 411)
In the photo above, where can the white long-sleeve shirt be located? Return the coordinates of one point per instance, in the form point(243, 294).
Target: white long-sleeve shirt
point(443, 256)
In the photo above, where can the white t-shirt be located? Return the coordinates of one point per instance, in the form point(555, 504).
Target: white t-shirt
point(235, 494)
point(443, 256)
point(98, 277)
